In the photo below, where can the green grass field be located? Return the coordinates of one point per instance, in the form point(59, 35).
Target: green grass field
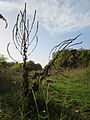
point(64, 98)
point(72, 94)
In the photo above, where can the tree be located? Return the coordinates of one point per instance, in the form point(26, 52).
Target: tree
point(30, 65)
point(2, 61)
point(2, 58)
point(38, 66)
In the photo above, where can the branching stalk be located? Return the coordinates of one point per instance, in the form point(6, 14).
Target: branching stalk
point(22, 40)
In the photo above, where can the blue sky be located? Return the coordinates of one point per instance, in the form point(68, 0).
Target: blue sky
point(58, 20)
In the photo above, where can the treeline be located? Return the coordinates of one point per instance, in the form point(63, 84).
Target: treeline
point(11, 71)
point(66, 59)
point(18, 66)
point(72, 58)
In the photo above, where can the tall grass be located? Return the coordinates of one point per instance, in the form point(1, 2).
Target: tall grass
point(65, 98)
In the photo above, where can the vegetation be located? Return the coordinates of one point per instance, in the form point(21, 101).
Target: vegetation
point(60, 91)
point(22, 40)
point(59, 97)
point(72, 58)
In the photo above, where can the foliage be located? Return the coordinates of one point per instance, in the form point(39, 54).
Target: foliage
point(66, 97)
point(52, 96)
point(32, 66)
point(70, 95)
point(2, 61)
point(72, 58)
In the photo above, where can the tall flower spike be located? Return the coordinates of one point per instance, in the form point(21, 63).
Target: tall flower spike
point(3, 18)
point(22, 40)
point(21, 34)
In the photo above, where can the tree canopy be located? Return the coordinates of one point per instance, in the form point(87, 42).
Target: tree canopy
point(72, 58)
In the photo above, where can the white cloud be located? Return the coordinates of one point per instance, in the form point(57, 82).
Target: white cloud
point(55, 15)
point(63, 15)
point(8, 6)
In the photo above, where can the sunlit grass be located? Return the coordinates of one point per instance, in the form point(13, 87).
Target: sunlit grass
point(67, 98)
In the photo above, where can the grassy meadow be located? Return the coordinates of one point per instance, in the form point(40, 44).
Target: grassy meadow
point(71, 94)
point(58, 98)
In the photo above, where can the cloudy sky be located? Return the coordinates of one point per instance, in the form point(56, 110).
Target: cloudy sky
point(58, 20)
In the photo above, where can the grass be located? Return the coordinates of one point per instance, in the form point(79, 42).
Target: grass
point(67, 98)
point(73, 93)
